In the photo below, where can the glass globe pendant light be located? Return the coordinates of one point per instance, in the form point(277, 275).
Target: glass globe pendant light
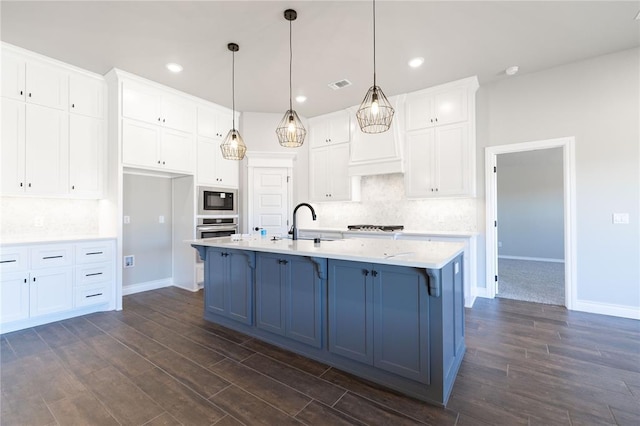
point(290, 131)
point(375, 112)
point(233, 147)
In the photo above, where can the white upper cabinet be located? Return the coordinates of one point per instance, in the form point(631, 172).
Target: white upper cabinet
point(428, 109)
point(33, 81)
point(151, 105)
point(329, 178)
point(86, 156)
point(86, 95)
point(330, 129)
point(440, 140)
point(213, 169)
point(214, 123)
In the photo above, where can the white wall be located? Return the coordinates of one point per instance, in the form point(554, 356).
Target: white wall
point(598, 102)
point(259, 133)
point(530, 204)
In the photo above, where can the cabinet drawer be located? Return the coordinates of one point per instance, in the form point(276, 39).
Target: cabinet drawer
point(90, 295)
point(51, 256)
point(13, 259)
point(92, 274)
point(94, 252)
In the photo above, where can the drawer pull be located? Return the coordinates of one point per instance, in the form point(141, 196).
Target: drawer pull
point(93, 295)
point(53, 257)
point(94, 274)
point(93, 252)
point(8, 261)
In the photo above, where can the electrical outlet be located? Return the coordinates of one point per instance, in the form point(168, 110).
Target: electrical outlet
point(160, 219)
point(38, 222)
point(127, 219)
point(129, 261)
point(621, 218)
point(499, 243)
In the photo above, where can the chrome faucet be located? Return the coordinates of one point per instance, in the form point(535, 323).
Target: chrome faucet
point(294, 228)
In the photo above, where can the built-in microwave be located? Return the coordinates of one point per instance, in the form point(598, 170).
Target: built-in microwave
point(212, 201)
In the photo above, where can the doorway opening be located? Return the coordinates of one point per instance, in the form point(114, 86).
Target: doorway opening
point(530, 212)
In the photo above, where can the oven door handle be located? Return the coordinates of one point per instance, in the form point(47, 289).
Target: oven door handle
point(217, 228)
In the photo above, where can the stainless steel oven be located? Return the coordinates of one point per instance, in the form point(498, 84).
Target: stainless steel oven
point(214, 201)
point(215, 227)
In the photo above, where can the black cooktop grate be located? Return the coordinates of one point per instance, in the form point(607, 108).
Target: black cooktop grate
point(386, 228)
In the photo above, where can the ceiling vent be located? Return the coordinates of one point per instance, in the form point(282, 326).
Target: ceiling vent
point(340, 84)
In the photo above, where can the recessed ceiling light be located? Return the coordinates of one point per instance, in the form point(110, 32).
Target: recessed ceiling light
point(173, 67)
point(416, 62)
point(301, 98)
point(512, 70)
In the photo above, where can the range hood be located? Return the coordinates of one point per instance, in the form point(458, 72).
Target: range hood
point(380, 153)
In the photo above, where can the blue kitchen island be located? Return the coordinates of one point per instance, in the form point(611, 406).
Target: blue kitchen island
point(388, 311)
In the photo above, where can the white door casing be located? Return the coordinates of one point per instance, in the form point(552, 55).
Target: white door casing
point(569, 169)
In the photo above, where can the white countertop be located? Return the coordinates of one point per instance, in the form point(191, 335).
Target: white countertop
point(395, 234)
point(422, 254)
point(52, 239)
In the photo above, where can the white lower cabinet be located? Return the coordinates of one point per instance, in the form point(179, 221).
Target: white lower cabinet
point(41, 283)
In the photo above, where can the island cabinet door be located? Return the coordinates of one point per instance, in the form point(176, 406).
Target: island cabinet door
point(239, 288)
point(270, 274)
point(401, 321)
point(350, 318)
point(216, 277)
point(303, 300)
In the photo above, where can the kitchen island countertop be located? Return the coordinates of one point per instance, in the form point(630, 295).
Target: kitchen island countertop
point(421, 254)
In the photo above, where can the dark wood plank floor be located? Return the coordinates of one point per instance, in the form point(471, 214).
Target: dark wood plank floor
point(158, 362)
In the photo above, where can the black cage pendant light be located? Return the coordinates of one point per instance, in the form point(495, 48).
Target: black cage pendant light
point(290, 131)
point(233, 147)
point(375, 112)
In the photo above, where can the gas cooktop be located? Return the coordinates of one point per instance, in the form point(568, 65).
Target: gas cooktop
point(385, 228)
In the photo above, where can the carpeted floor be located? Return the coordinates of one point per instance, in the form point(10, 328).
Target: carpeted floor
point(531, 281)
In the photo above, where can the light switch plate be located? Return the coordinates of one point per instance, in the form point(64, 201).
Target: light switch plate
point(621, 218)
point(127, 219)
point(160, 219)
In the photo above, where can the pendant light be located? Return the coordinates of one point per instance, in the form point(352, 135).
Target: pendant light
point(375, 112)
point(290, 130)
point(233, 147)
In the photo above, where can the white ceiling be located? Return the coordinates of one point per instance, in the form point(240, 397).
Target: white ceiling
point(331, 41)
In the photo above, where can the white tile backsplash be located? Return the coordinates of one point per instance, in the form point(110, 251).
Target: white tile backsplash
point(384, 203)
point(26, 218)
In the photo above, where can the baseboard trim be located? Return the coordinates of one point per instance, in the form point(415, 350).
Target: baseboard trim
point(537, 259)
point(483, 292)
point(607, 309)
point(146, 286)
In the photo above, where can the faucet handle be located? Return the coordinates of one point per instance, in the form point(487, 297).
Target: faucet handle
point(290, 230)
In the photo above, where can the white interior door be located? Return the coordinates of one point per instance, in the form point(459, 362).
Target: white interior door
point(270, 203)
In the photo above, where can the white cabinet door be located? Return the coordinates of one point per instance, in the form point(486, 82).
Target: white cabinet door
point(140, 143)
point(437, 162)
point(452, 153)
point(318, 132)
point(85, 156)
point(86, 95)
point(214, 123)
point(338, 171)
point(47, 150)
point(51, 291)
point(207, 153)
point(13, 147)
point(318, 173)
point(438, 108)
point(227, 171)
point(141, 102)
point(339, 125)
point(178, 114)
point(46, 85)
point(177, 150)
point(419, 176)
point(14, 296)
point(13, 75)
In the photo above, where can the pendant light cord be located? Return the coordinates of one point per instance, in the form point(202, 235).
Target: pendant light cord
point(290, 65)
point(233, 88)
point(374, 43)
